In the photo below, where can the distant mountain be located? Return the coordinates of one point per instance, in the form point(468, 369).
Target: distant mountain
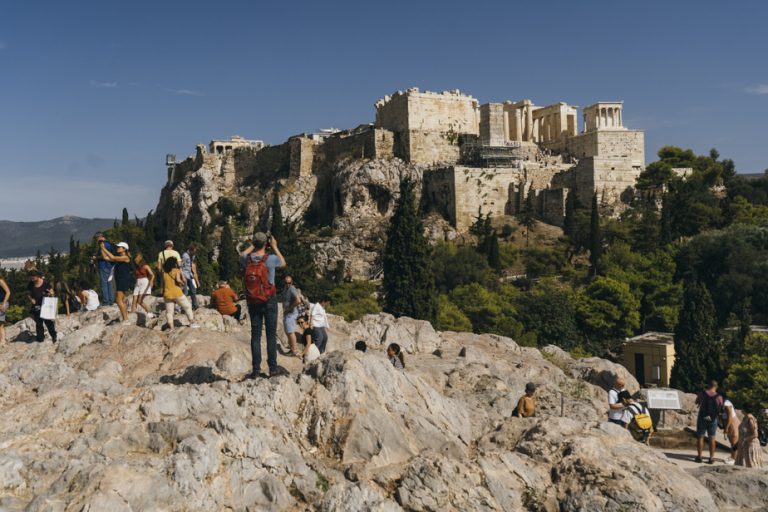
point(18, 239)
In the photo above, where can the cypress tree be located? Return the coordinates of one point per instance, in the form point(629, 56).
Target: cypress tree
point(527, 216)
point(125, 220)
point(595, 237)
point(228, 257)
point(494, 259)
point(665, 235)
point(409, 285)
point(697, 352)
point(278, 225)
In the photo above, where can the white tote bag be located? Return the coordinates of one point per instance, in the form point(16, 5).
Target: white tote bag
point(49, 308)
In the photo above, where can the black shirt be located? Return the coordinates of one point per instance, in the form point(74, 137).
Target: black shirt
point(38, 293)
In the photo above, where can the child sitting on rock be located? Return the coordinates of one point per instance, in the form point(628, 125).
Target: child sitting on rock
point(395, 355)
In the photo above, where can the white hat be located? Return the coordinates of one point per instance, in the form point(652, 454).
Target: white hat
point(123, 245)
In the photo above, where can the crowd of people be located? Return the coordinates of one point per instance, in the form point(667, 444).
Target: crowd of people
point(715, 412)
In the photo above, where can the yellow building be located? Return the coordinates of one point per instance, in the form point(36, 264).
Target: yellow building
point(650, 357)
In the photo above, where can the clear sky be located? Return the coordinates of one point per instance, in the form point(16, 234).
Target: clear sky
point(93, 94)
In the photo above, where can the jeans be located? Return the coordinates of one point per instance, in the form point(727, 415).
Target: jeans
point(40, 332)
point(320, 338)
point(191, 291)
point(264, 314)
point(107, 286)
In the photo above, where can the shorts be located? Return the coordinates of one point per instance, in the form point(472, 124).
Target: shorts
point(708, 427)
point(142, 287)
point(289, 321)
point(2, 315)
point(122, 284)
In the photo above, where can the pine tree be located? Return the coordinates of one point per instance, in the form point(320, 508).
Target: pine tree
point(278, 226)
point(228, 257)
point(300, 260)
point(697, 351)
point(595, 237)
point(527, 216)
point(126, 220)
point(409, 285)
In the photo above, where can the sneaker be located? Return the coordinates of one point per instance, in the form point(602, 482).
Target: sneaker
point(711, 461)
point(277, 372)
point(730, 461)
point(127, 322)
point(194, 326)
point(151, 315)
point(698, 459)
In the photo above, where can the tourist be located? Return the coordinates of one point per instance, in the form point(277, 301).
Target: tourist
point(526, 406)
point(68, 298)
point(173, 294)
point(318, 320)
point(38, 288)
point(361, 346)
point(310, 352)
point(163, 256)
point(145, 278)
point(224, 300)
point(189, 272)
point(122, 274)
point(730, 425)
point(636, 418)
point(395, 355)
point(259, 267)
point(87, 296)
point(615, 407)
point(5, 295)
point(710, 403)
point(749, 453)
point(106, 268)
point(291, 301)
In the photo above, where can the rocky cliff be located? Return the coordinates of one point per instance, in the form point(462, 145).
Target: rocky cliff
point(128, 418)
point(353, 196)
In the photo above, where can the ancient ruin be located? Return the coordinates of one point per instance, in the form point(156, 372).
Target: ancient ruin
point(475, 158)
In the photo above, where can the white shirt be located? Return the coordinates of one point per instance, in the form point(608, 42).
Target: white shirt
point(613, 398)
point(319, 318)
point(92, 302)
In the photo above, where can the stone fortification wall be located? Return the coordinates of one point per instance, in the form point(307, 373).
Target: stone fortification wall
point(463, 192)
point(552, 205)
point(267, 164)
point(302, 153)
point(363, 142)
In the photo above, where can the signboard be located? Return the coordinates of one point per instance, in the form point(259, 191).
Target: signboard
point(663, 399)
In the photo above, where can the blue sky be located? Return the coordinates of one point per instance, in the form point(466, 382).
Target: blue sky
point(94, 94)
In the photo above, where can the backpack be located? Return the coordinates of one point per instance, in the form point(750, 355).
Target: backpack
point(710, 409)
point(642, 418)
point(258, 289)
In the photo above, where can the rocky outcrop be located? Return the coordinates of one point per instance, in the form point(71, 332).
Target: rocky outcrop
point(118, 417)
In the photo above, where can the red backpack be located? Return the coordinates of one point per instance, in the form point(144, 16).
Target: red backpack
point(258, 289)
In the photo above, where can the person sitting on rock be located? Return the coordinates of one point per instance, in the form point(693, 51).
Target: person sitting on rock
point(636, 418)
point(88, 296)
point(38, 289)
point(310, 352)
point(526, 406)
point(361, 346)
point(224, 299)
point(615, 407)
point(395, 355)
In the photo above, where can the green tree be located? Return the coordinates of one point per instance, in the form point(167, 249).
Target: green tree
point(454, 266)
point(450, 317)
point(527, 216)
point(494, 258)
point(489, 311)
point(409, 286)
point(595, 238)
point(125, 219)
point(606, 312)
point(697, 350)
point(354, 299)
point(278, 226)
point(228, 257)
point(548, 311)
point(569, 223)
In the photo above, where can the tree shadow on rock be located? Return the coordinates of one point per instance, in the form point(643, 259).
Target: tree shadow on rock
point(192, 375)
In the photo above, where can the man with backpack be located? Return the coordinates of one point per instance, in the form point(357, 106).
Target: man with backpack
point(710, 404)
point(260, 294)
point(637, 418)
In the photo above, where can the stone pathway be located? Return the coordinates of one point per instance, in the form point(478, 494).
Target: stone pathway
point(684, 457)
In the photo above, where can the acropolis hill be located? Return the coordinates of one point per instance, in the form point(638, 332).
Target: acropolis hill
point(468, 157)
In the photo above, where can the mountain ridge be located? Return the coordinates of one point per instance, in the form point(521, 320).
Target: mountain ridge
point(25, 238)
